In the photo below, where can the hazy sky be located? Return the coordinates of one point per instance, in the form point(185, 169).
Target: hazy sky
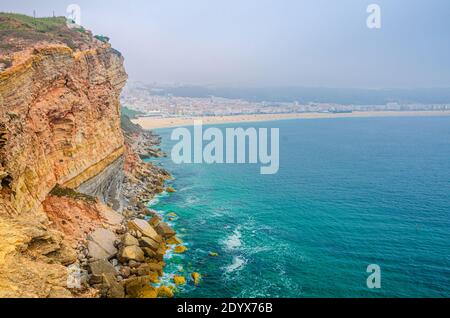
point(312, 43)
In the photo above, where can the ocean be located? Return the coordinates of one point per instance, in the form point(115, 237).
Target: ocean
point(349, 193)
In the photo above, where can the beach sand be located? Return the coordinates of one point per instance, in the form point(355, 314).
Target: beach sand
point(154, 123)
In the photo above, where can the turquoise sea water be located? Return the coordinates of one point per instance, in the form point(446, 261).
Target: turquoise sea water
point(349, 193)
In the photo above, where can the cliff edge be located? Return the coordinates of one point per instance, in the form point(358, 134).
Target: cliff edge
point(59, 125)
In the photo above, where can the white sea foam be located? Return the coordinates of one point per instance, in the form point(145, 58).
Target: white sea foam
point(157, 198)
point(153, 202)
point(186, 189)
point(191, 200)
point(238, 264)
point(233, 242)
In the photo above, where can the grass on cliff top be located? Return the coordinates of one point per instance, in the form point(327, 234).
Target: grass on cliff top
point(18, 31)
point(10, 21)
point(70, 193)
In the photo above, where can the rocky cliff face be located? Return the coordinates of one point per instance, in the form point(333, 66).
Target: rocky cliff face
point(60, 113)
point(59, 124)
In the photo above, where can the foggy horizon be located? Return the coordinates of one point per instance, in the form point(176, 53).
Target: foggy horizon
point(307, 44)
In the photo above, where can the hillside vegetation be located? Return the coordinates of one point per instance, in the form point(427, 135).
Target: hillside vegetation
point(19, 31)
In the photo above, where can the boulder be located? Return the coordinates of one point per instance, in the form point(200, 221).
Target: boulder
point(148, 292)
point(196, 277)
point(154, 267)
point(165, 230)
point(154, 221)
point(133, 286)
point(101, 244)
point(170, 190)
point(147, 270)
point(179, 280)
point(160, 253)
point(77, 278)
point(111, 287)
point(134, 264)
point(165, 292)
point(129, 240)
point(149, 252)
point(180, 249)
point(144, 228)
point(159, 189)
point(132, 252)
point(96, 252)
point(111, 216)
point(174, 241)
point(65, 255)
point(98, 269)
point(125, 271)
point(148, 242)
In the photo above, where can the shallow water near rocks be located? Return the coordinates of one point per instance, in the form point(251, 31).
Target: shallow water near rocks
point(349, 193)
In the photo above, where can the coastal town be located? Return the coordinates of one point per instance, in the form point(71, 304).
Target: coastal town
point(152, 102)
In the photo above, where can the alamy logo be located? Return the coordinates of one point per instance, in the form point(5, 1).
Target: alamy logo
point(374, 18)
point(250, 146)
point(374, 279)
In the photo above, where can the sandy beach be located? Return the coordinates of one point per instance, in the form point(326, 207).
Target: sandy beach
point(154, 123)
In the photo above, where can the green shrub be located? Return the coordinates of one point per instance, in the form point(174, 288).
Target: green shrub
point(102, 38)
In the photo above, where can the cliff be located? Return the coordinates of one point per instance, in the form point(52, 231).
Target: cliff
point(59, 125)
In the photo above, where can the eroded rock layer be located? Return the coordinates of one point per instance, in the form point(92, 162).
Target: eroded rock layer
point(60, 110)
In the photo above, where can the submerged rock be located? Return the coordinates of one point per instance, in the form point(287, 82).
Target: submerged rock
point(170, 190)
point(196, 277)
point(213, 254)
point(179, 280)
point(180, 249)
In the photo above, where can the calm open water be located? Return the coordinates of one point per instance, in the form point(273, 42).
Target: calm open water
point(349, 193)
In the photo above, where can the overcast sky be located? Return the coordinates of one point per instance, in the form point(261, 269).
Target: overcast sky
point(311, 43)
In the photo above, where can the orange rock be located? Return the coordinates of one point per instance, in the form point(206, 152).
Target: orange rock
point(165, 292)
point(179, 280)
point(180, 249)
point(148, 292)
point(174, 241)
point(196, 277)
